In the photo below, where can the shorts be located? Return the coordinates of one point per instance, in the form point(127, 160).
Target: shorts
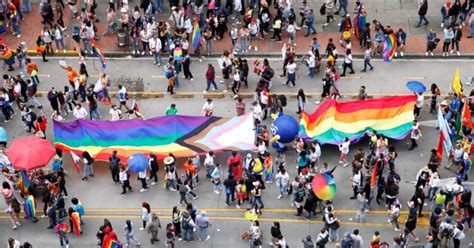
point(123, 102)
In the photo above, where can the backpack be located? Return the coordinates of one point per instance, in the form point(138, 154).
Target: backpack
point(185, 224)
point(33, 116)
point(324, 241)
point(282, 99)
point(322, 10)
point(347, 241)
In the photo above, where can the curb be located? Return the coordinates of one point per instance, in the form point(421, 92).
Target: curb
point(73, 53)
point(246, 95)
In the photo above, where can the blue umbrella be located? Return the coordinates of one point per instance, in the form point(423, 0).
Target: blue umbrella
point(137, 162)
point(416, 86)
point(3, 135)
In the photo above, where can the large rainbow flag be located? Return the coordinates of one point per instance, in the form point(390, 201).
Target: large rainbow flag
point(179, 134)
point(389, 47)
point(333, 121)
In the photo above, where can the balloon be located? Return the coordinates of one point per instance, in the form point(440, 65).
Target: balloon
point(286, 127)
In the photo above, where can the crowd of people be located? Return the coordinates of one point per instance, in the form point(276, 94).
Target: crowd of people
point(242, 180)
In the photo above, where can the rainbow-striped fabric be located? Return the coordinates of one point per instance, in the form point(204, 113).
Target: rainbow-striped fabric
point(333, 121)
point(196, 39)
point(179, 134)
point(98, 53)
point(389, 47)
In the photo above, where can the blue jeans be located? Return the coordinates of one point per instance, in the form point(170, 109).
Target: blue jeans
point(209, 83)
point(158, 5)
point(209, 169)
point(257, 199)
point(176, 80)
point(134, 45)
point(203, 232)
point(59, 43)
point(310, 27)
point(171, 184)
point(157, 57)
point(35, 79)
point(188, 234)
point(282, 188)
point(422, 18)
point(342, 6)
point(87, 45)
point(243, 45)
point(333, 234)
point(367, 63)
point(15, 26)
point(208, 47)
point(95, 115)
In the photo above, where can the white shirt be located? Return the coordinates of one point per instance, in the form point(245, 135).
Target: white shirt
point(344, 147)
point(209, 160)
point(142, 174)
point(263, 98)
point(291, 68)
point(155, 44)
point(257, 112)
point(291, 28)
point(311, 61)
point(419, 100)
point(283, 179)
point(237, 77)
point(208, 108)
point(123, 176)
point(115, 113)
point(80, 113)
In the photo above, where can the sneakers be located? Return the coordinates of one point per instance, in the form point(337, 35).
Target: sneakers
point(194, 198)
point(153, 183)
point(237, 206)
point(143, 53)
point(396, 54)
point(141, 228)
point(458, 53)
point(325, 24)
point(396, 229)
point(279, 197)
point(256, 49)
point(217, 192)
point(208, 237)
point(341, 162)
point(64, 50)
point(426, 53)
point(401, 54)
point(143, 190)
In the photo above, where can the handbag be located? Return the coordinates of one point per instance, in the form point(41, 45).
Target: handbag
point(335, 225)
point(40, 134)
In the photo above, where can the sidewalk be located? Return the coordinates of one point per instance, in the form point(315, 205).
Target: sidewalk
point(416, 41)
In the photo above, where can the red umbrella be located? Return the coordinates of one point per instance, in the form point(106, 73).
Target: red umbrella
point(30, 153)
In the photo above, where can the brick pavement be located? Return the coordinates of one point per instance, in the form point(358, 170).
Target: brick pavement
point(416, 41)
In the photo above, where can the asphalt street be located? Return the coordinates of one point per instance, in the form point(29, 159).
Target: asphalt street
point(386, 79)
point(102, 199)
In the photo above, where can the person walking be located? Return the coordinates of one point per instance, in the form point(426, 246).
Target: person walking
point(414, 134)
point(422, 11)
point(142, 175)
point(394, 214)
point(62, 231)
point(210, 78)
point(216, 176)
point(153, 164)
point(367, 57)
point(114, 162)
point(291, 73)
point(300, 101)
point(145, 214)
point(124, 178)
point(153, 228)
point(328, 10)
point(291, 29)
point(347, 63)
point(344, 149)
point(129, 234)
point(310, 23)
point(277, 24)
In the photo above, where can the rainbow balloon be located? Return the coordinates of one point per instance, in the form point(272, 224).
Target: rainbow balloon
point(333, 121)
point(389, 47)
point(179, 134)
point(324, 187)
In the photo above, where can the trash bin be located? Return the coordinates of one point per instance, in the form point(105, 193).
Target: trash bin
point(122, 37)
